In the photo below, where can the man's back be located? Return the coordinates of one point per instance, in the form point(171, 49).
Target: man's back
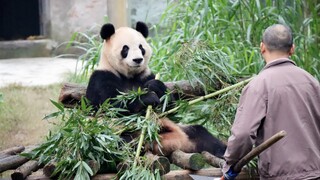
point(293, 104)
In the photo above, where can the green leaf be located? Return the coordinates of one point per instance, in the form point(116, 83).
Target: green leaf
point(88, 169)
point(52, 115)
point(58, 105)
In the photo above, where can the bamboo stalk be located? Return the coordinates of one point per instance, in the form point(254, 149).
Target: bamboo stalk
point(208, 96)
point(143, 132)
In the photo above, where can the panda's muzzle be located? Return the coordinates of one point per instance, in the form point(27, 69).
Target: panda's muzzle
point(137, 60)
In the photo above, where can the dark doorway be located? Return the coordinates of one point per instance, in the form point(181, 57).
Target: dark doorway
point(19, 19)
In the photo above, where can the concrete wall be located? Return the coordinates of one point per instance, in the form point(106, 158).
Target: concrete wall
point(149, 11)
point(69, 16)
point(59, 19)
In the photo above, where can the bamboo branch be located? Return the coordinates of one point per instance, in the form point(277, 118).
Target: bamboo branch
point(143, 132)
point(208, 96)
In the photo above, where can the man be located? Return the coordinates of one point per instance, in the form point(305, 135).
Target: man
point(281, 97)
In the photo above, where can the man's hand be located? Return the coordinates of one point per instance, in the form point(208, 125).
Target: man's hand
point(229, 175)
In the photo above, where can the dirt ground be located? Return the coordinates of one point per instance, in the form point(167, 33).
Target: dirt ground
point(27, 85)
point(22, 112)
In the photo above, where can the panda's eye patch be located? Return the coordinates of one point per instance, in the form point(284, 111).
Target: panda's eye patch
point(143, 51)
point(124, 51)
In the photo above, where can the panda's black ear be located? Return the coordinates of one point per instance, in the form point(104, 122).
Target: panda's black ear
point(142, 28)
point(106, 31)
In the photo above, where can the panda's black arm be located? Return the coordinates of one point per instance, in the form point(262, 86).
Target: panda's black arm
point(102, 86)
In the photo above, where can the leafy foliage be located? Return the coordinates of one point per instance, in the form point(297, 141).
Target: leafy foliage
point(84, 136)
point(234, 28)
point(208, 40)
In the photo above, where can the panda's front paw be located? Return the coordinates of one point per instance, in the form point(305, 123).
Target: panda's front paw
point(151, 98)
point(140, 104)
point(156, 86)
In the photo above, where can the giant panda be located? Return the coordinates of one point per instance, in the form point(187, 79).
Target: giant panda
point(123, 66)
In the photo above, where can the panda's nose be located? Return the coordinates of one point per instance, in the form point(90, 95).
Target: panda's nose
point(138, 60)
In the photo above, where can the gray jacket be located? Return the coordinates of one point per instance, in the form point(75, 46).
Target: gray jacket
point(281, 97)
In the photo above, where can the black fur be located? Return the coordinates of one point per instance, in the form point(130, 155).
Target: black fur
point(142, 28)
point(107, 31)
point(204, 140)
point(104, 85)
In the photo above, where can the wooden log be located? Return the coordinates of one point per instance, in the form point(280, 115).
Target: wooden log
point(24, 170)
point(154, 161)
point(158, 162)
point(213, 160)
point(104, 177)
point(172, 175)
point(208, 172)
point(12, 151)
point(71, 93)
point(11, 162)
point(49, 168)
point(38, 175)
point(193, 161)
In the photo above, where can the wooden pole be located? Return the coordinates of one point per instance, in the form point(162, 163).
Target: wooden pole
point(117, 12)
point(256, 151)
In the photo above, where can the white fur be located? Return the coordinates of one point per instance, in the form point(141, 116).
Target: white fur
point(112, 60)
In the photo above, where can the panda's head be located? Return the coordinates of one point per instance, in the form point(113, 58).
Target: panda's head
point(125, 51)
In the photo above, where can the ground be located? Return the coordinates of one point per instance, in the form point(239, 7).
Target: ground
point(27, 85)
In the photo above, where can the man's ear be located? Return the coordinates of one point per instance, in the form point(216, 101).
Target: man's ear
point(292, 50)
point(262, 48)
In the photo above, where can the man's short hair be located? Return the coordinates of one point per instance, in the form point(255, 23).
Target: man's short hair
point(278, 37)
